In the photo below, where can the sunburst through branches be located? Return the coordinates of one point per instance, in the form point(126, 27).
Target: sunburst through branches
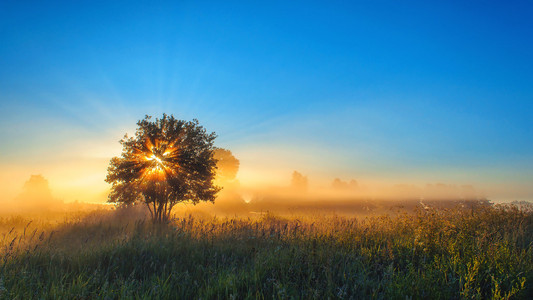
point(160, 160)
point(167, 162)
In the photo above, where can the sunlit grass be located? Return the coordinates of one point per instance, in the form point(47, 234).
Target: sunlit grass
point(431, 254)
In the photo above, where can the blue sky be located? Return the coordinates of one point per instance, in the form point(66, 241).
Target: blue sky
point(400, 91)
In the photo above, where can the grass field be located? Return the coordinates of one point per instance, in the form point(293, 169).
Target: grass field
point(430, 254)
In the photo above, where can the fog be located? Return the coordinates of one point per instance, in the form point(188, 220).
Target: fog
point(297, 193)
point(37, 199)
point(300, 194)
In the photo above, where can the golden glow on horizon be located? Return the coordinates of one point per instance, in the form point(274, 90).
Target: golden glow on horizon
point(77, 172)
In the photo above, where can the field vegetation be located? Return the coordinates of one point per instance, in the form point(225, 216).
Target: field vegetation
point(430, 254)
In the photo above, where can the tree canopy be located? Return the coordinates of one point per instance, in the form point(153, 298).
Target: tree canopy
point(167, 161)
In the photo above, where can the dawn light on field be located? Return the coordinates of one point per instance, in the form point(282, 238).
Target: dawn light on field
point(397, 134)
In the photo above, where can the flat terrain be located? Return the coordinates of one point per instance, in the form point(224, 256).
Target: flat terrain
point(430, 254)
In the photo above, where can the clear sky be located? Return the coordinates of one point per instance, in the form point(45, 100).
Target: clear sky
point(391, 91)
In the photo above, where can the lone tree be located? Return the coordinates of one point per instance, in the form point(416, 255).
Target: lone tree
point(167, 162)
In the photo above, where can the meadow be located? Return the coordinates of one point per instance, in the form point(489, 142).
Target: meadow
point(426, 254)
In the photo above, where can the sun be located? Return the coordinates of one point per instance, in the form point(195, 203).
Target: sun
point(159, 159)
point(155, 158)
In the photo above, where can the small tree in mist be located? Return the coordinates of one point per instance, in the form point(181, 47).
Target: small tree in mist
point(167, 161)
point(37, 196)
point(227, 164)
point(299, 181)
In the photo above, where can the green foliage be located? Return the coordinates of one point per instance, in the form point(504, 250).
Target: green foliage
point(167, 162)
point(429, 255)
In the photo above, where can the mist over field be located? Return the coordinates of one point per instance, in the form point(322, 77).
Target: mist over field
point(345, 197)
point(293, 238)
point(266, 150)
point(299, 195)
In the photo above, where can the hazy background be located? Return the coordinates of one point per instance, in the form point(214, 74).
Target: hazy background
point(383, 92)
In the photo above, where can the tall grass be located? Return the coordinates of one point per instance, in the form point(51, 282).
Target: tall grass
point(434, 254)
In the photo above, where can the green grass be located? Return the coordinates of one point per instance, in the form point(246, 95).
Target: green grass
point(446, 254)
